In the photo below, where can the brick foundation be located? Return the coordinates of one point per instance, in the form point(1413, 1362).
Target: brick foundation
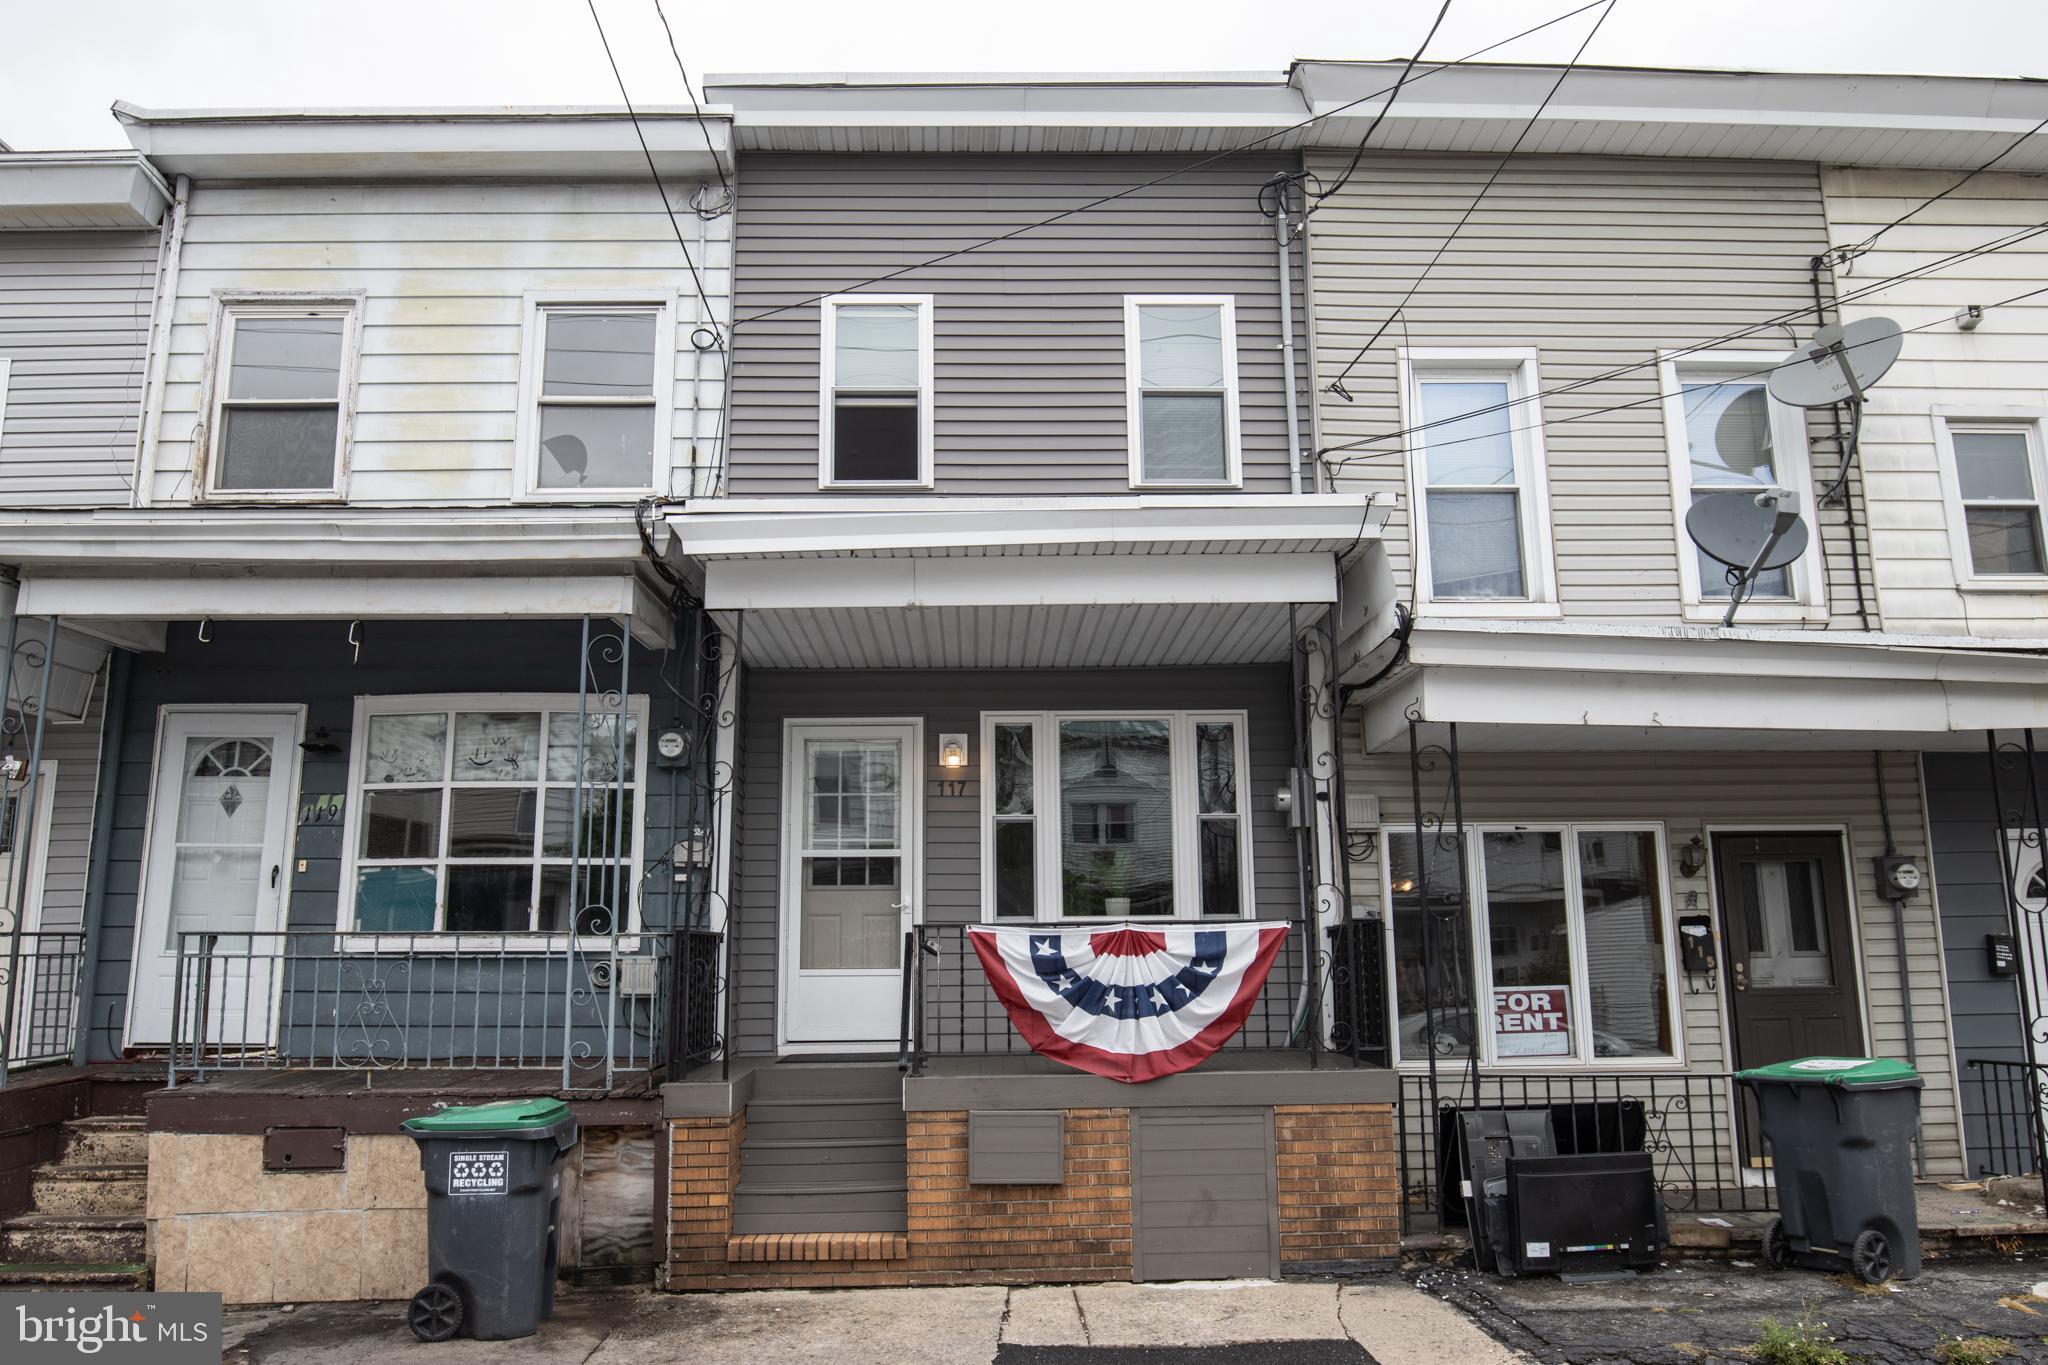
point(1338, 1193)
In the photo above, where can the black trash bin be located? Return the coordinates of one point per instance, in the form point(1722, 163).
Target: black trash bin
point(494, 1200)
point(1840, 1131)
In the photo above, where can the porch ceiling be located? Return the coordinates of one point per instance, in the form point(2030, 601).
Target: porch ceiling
point(1150, 635)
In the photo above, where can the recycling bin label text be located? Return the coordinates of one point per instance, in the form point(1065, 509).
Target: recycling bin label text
point(476, 1172)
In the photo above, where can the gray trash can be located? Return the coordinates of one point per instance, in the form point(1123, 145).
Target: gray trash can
point(494, 1200)
point(1840, 1131)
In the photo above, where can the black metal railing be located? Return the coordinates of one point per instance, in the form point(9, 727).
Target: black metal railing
point(948, 1009)
point(2010, 1101)
point(595, 1009)
point(1694, 1125)
point(38, 996)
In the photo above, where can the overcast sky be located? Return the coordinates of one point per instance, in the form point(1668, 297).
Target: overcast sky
point(62, 62)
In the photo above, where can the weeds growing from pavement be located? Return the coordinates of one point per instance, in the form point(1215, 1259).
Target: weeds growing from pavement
point(1805, 1342)
point(1973, 1350)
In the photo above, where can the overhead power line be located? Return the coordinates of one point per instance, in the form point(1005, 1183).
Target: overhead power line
point(1381, 116)
point(1839, 255)
point(724, 182)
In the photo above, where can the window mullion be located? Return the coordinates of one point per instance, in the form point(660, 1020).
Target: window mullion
point(1580, 988)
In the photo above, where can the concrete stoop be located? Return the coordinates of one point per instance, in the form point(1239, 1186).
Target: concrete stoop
point(86, 1229)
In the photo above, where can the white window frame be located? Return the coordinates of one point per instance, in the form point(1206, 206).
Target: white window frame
point(1047, 813)
point(228, 308)
point(1520, 368)
point(2032, 421)
point(1789, 446)
point(1581, 986)
point(1134, 389)
point(538, 303)
point(927, 393)
point(350, 939)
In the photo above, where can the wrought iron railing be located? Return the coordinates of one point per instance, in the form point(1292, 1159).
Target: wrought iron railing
point(1697, 1127)
point(948, 1009)
point(38, 996)
point(2008, 1098)
point(594, 1009)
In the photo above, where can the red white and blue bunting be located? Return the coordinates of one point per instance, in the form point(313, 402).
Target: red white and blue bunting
point(1130, 1002)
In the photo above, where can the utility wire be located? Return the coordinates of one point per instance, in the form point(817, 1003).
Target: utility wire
point(1381, 116)
point(1227, 153)
point(1842, 254)
point(696, 108)
point(2012, 239)
point(1516, 146)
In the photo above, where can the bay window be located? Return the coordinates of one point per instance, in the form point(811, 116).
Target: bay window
point(1559, 951)
point(1089, 816)
point(465, 816)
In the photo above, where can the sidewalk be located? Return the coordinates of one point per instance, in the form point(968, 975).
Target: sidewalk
point(1384, 1320)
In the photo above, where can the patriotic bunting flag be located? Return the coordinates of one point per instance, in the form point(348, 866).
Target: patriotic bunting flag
point(1129, 1002)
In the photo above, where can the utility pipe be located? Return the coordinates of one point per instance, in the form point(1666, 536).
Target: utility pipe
point(157, 365)
point(1884, 813)
point(1281, 246)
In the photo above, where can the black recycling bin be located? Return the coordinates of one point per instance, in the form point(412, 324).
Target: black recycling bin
point(1840, 1131)
point(494, 1200)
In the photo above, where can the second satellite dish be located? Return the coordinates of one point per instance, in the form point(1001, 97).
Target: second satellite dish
point(1838, 364)
point(1733, 528)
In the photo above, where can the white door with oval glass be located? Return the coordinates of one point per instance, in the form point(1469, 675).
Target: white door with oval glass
point(214, 878)
point(852, 865)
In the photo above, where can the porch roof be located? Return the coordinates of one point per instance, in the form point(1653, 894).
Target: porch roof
point(1537, 686)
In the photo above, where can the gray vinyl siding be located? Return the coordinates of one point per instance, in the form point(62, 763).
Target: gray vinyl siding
point(953, 702)
point(1699, 793)
point(1970, 882)
point(75, 749)
point(308, 664)
point(1028, 335)
point(1597, 262)
point(74, 322)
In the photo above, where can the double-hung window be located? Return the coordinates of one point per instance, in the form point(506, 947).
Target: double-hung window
point(875, 414)
point(281, 390)
point(1996, 483)
point(1125, 816)
point(469, 816)
point(1727, 435)
point(1180, 359)
point(1482, 515)
point(597, 396)
point(1558, 948)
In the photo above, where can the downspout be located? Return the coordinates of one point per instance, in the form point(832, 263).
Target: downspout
point(158, 365)
point(1281, 252)
point(1884, 815)
point(114, 729)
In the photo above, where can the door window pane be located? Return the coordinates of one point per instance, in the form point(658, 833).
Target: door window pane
point(600, 355)
point(1627, 986)
point(1116, 764)
point(1432, 949)
point(850, 914)
point(1475, 545)
point(854, 799)
point(1786, 915)
point(284, 358)
point(1531, 944)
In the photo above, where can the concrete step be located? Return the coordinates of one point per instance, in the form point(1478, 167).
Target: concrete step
point(105, 1142)
point(119, 1276)
point(60, 1187)
point(74, 1238)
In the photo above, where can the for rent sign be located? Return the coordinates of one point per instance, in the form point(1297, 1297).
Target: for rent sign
point(1531, 1021)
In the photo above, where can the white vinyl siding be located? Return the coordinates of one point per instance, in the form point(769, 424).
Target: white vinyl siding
point(443, 272)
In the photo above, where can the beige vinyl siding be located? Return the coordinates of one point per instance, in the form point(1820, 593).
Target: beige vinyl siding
point(1028, 335)
point(443, 270)
point(1597, 262)
point(2004, 363)
point(1695, 793)
point(74, 321)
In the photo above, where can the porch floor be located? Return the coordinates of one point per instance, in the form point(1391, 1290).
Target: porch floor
point(310, 1083)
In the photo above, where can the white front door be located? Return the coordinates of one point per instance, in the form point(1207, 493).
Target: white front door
point(220, 818)
point(852, 868)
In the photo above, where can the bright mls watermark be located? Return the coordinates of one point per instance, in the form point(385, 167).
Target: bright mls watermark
point(165, 1329)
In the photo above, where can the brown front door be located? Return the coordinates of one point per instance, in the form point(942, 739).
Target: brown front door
point(1785, 919)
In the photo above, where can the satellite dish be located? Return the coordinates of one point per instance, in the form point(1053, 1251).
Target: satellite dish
point(1838, 364)
point(1752, 531)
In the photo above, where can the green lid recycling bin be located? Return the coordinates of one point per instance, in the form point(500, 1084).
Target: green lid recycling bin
point(494, 1200)
point(1840, 1131)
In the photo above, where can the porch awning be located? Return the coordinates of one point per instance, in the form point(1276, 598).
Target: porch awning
point(1539, 686)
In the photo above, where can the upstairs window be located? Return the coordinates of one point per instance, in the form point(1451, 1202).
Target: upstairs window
point(598, 392)
point(1482, 522)
point(1181, 362)
point(281, 389)
point(1998, 480)
point(875, 420)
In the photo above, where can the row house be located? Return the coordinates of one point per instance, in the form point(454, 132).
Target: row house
point(522, 624)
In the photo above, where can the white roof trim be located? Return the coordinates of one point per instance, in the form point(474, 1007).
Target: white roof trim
point(58, 190)
point(1067, 580)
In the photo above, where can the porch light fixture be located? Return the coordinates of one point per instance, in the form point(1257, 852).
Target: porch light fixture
point(11, 767)
point(1692, 859)
point(952, 752)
